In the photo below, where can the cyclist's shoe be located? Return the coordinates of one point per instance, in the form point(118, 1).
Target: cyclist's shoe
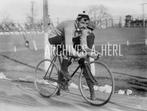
point(58, 92)
point(64, 85)
point(66, 74)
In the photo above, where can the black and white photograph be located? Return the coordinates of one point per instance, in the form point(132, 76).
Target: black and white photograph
point(73, 55)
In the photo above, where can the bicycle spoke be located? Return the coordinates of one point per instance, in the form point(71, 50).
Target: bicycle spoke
point(46, 81)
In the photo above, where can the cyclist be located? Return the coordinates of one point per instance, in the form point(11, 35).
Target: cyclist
point(72, 33)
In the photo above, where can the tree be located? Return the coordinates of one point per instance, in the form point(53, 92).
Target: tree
point(31, 17)
point(99, 15)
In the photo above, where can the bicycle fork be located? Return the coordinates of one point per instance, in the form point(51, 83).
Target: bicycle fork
point(87, 71)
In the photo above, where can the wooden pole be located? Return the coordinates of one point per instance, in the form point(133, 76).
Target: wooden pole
point(47, 54)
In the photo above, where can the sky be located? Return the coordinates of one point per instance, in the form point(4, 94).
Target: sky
point(17, 10)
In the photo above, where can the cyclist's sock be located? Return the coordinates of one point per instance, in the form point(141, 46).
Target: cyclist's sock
point(66, 75)
point(92, 92)
point(60, 77)
point(64, 65)
point(63, 83)
point(64, 68)
point(91, 88)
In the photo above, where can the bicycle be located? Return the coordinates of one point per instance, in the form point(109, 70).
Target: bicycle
point(47, 83)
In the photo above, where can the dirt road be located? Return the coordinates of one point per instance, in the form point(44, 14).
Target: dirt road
point(15, 96)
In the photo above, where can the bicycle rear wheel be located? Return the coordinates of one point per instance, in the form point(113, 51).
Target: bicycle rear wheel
point(104, 86)
point(46, 79)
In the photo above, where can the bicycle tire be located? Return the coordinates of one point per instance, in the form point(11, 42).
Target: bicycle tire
point(46, 82)
point(100, 77)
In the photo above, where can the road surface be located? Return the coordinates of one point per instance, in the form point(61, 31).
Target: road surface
point(15, 96)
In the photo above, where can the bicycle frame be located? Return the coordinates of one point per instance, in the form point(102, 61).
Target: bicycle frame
point(81, 65)
point(53, 60)
point(51, 75)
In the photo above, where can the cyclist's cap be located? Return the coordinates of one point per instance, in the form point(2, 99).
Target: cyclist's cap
point(83, 15)
point(91, 25)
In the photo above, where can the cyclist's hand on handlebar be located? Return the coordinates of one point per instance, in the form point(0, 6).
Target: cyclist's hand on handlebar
point(95, 55)
point(82, 55)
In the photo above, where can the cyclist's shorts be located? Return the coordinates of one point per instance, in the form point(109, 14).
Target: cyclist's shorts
point(57, 40)
point(90, 40)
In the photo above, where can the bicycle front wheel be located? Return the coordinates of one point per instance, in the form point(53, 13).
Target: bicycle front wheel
point(100, 92)
point(46, 78)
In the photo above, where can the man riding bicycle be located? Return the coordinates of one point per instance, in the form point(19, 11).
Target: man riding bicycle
point(73, 33)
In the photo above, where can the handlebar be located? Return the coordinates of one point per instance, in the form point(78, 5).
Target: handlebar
point(88, 55)
point(95, 57)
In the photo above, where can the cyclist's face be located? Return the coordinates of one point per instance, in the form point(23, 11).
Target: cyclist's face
point(83, 23)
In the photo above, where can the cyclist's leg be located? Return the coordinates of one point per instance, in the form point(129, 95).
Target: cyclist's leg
point(65, 64)
point(63, 74)
point(90, 84)
point(90, 81)
point(60, 79)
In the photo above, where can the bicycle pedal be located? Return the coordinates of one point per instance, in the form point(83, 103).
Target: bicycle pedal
point(65, 88)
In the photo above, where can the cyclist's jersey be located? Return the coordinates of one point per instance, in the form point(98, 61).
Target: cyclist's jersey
point(65, 30)
point(68, 33)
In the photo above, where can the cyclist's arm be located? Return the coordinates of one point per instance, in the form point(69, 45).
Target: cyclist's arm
point(86, 42)
point(84, 38)
point(69, 34)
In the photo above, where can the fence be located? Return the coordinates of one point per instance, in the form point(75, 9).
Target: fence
point(21, 40)
point(15, 27)
point(132, 21)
